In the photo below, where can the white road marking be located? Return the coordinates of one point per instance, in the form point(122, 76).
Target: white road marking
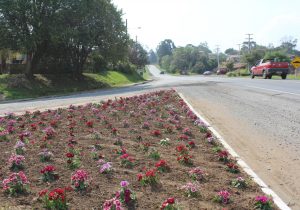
point(279, 91)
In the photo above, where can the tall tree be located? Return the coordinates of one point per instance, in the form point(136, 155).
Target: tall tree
point(29, 24)
point(288, 45)
point(91, 25)
point(138, 55)
point(62, 33)
point(165, 47)
point(152, 57)
point(231, 51)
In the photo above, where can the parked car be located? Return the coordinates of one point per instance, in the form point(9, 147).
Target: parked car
point(269, 67)
point(162, 72)
point(207, 73)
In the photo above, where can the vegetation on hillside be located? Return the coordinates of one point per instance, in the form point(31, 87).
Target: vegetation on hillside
point(66, 36)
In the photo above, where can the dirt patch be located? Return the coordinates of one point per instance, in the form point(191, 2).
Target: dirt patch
point(139, 123)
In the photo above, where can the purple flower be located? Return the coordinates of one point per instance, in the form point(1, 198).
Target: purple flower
point(11, 123)
point(106, 167)
point(19, 144)
point(124, 183)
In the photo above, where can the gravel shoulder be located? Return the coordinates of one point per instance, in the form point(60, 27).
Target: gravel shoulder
point(262, 127)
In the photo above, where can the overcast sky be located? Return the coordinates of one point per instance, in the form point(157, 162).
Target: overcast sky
point(218, 22)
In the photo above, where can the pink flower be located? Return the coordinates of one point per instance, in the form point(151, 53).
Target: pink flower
point(262, 199)
point(79, 175)
point(224, 195)
point(124, 183)
point(16, 159)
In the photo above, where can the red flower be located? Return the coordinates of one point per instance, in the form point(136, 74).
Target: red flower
point(140, 177)
point(191, 143)
point(156, 133)
point(48, 169)
point(151, 173)
point(171, 200)
point(124, 156)
point(53, 123)
point(181, 148)
point(232, 166)
point(33, 126)
point(70, 155)
point(43, 192)
point(89, 124)
point(56, 194)
point(161, 163)
point(223, 154)
point(208, 135)
point(184, 137)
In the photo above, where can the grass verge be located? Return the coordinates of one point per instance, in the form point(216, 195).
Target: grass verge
point(19, 87)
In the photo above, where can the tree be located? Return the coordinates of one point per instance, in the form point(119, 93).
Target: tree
point(288, 43)
point(88, 26)
point(166, 63)
point(231, 51)
point(203, 47)
point(61, 34)
point(180, 59)
point(230, 66)
point(254, 56)
point(152, 58)
point(165, 47)
point(138, 55)
point(29, 24)
point(281, 56)
point(189, 58)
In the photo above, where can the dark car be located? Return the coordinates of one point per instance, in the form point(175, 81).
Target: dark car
point(221, 71)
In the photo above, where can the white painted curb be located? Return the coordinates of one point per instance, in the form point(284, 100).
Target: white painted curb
point(277, 200)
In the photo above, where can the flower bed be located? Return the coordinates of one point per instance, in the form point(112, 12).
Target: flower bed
point(163, 156)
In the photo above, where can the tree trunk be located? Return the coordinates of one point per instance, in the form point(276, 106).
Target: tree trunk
point(3, 65)
point(29, 69)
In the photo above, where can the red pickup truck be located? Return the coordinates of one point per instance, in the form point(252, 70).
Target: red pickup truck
point(269, 67)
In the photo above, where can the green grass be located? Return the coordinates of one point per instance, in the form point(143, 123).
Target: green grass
point(146, 74)
point(18, 87)
point(289, 76)
point(238, 73)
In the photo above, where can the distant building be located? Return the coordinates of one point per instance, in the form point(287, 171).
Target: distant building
point(15, 58)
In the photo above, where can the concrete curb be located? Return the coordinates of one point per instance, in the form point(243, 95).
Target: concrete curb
point(277, 200)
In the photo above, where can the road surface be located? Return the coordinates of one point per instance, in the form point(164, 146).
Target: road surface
point(259, 118)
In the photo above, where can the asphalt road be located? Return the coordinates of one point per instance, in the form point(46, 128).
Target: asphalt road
point(259, 118)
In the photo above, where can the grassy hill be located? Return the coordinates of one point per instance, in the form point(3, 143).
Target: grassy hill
point(19, 87)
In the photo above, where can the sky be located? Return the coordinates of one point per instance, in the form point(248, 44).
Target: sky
point(217, 22)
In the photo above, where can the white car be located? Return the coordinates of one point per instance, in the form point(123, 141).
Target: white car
point(207, 73)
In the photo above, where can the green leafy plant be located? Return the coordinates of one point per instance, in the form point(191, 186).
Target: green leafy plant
point(154, 154)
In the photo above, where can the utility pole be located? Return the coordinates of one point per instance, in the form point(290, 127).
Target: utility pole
point(249, 38)
point(239, 52)
point(218, 58)
point(126, 27)
point(249, 47)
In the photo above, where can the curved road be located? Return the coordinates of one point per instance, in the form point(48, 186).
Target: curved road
point(259, 118)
